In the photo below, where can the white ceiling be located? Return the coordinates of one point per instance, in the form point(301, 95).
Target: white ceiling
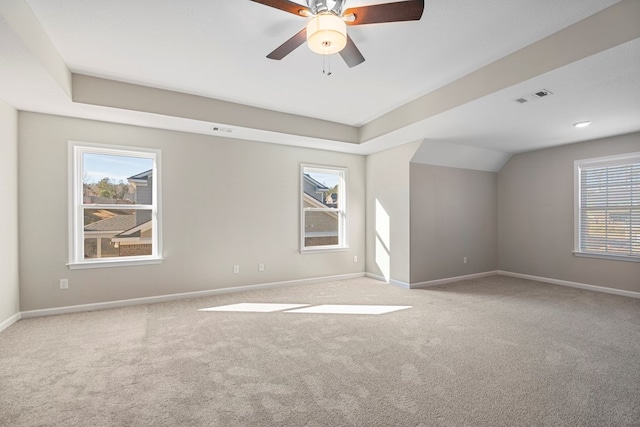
point(217, 49)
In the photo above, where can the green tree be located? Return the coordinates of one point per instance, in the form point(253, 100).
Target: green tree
point(105, 188)
point(110, 189)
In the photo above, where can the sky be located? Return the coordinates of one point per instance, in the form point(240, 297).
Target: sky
point(116, 168)
point(330, 180)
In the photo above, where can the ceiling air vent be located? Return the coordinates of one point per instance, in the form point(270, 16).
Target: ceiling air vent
point(533, 96)
point(542, 93)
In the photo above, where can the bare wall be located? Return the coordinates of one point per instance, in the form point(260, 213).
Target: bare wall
point(9, 289)
point(454, 214)
point(225, 202)
point(388, 232)
point(536, 216)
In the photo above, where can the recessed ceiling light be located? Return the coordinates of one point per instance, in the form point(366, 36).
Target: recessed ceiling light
point(582, 124)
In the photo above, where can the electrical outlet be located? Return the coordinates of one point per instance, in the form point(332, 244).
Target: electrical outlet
point(236, 269)
point(355, 258)
point(64, 283)
point(464, 260)
point(261, 267)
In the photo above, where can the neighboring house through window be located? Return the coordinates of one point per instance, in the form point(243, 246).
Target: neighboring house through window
point(608, 207)
point(114, 218)
point(323, 202)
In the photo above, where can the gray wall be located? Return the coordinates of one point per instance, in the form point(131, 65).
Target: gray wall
point(454, 214)
point(225, 202)
point(216, 216)
point(536, 216)
point(9, 290)
point(388, 211)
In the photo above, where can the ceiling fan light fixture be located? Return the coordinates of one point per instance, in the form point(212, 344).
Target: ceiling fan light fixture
point(326, 34)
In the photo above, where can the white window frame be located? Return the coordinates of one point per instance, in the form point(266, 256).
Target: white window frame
point(341, 210)
point(596, 163)
point(76, 206)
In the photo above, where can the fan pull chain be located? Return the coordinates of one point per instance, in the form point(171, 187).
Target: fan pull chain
point(326, 60)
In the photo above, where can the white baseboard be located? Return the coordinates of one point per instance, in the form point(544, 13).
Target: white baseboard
point(171, 297)
point(186, 295)
point(451, 279)
point(595, 288)
point(10, 321)
point(390, 281)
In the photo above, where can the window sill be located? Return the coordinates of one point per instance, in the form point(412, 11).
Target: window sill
point(321, 250)
point(605, 256)
point(113, 263)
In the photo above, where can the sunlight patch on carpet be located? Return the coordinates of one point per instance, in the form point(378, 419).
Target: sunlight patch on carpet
point(254, 307)
point(350, 309)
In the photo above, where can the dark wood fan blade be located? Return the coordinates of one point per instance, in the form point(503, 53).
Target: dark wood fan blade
point(351, 54)
point(289, 46)
point(287, 6)
point(410, 10)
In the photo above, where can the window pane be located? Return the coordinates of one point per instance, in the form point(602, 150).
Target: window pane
point(322, 188)
point(323, 207)
point(609, 209)
point(110, 179)
point(321, 228)
point(117, 233)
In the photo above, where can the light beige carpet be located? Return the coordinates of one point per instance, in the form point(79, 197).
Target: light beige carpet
point(496, 351)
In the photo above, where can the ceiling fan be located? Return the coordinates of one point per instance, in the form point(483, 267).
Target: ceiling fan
point(326, 32)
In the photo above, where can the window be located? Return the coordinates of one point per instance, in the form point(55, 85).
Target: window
point(114, 215)
point(323, 202)
point(608, 207)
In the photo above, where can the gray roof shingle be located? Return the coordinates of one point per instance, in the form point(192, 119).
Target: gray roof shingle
point(115, 223)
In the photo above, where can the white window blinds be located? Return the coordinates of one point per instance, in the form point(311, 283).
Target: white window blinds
point(609, 208)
